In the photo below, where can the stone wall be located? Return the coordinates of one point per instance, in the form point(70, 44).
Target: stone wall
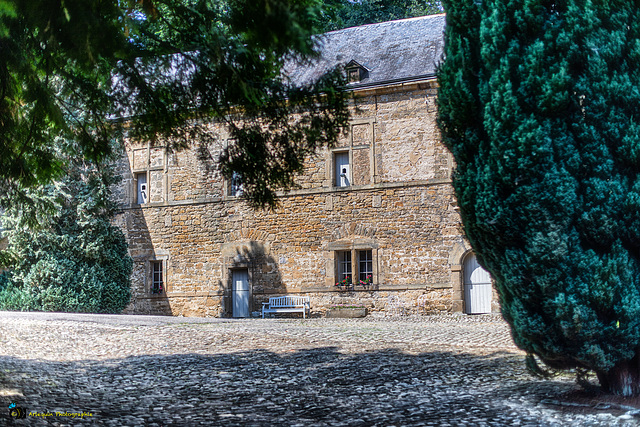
point(400, 206)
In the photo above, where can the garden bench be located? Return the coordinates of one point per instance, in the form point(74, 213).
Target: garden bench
point(287, 304)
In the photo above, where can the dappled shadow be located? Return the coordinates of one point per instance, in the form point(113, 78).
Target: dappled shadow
point(318, 385)
point(264, 274)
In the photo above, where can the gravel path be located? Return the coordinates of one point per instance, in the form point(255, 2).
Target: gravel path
point(72, 369)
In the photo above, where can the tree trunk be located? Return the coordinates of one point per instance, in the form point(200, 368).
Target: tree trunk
point(623, 379)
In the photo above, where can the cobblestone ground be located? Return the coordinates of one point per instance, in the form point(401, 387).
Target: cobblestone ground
point(160, 371)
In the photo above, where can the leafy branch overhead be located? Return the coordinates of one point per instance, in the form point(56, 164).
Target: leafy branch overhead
point(90, 70)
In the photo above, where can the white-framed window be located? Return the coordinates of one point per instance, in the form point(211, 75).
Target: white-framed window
point(342, 176)
point(235, 186)
point(157, 277)
point(142, 193)
point(344, 266)
point(365, 266)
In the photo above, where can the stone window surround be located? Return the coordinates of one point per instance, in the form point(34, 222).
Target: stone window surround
point(164, 259)
point(137, 170)
point(354, 246)
point(330, 176)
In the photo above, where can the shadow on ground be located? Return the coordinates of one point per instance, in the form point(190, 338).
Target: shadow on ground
point(319, 386)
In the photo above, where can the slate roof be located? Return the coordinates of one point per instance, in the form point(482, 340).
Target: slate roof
point(394, 51)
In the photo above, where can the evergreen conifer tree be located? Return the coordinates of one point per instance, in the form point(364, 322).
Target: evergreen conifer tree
point(540, 104)
point(64, 252)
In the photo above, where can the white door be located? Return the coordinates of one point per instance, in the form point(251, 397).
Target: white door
point(342, 170)
point(240, 294)
point(477, 287)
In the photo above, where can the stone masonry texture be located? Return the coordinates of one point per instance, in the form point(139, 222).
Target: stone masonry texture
point(400, 206)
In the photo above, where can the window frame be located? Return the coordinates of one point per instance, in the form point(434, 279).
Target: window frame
point(367, 271)
point(235, 189)
point(157, 283)
point(350, 253)
point(337, 175)
point(139, 191)
point(345, 266)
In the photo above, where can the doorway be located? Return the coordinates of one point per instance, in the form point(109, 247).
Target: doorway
point(477, 287)
point(240, 293)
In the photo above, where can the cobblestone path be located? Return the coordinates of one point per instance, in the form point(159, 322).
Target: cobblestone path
point(66, 369)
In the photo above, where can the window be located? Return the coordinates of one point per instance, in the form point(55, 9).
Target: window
point(355, 266)
point(343, 169)
point(356, 72)
point(149, 175)
point(143, 190)
point(352, 163)
point(353, 75)
point(157, 277)
point(235, 186)
point(344, 266)
point(365, 265)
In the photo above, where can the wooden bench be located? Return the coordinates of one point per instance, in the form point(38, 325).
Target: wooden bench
point(287, 304)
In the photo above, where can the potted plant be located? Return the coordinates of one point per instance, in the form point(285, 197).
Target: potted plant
point(366, 282)
point(344, 284)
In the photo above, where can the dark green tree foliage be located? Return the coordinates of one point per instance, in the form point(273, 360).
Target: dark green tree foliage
point(68, 69)
point(540, 105)
point(54, 79)
point(338, 14)
point(75, 260)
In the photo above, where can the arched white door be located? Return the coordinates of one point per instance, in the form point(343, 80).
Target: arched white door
point(477, 287)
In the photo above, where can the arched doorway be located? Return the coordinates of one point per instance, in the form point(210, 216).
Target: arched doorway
point(477, 286)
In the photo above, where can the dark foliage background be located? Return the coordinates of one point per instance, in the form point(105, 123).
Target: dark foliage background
point(339, 14)
point(64, 253)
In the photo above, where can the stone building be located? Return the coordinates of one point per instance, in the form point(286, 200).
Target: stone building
point(378, 205)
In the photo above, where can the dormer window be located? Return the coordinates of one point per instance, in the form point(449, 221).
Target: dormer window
point(356, 72)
